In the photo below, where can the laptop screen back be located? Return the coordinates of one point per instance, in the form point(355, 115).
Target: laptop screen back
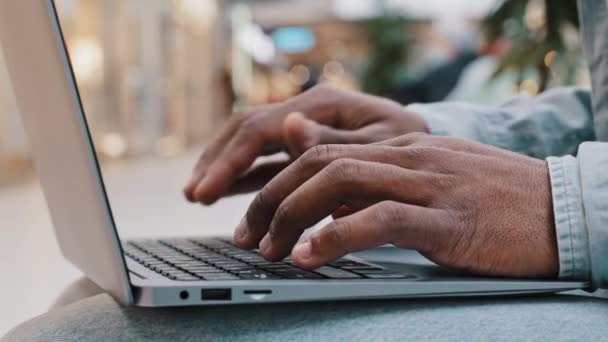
point(60, 143)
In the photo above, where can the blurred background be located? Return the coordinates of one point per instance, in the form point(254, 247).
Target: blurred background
point(159, 77)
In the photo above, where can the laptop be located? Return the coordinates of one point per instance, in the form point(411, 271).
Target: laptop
point(181, 271)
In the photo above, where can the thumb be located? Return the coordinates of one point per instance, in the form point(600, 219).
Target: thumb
point(301, 133)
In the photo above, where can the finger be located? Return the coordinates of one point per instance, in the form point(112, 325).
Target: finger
point(210, 153)
point(235, 159)
point(261, 211)
point(301, 133)
point(343, 211)
point(344, 181)
point(218, 167)
point(257, 177)
point(405, 225)
point(404, 140)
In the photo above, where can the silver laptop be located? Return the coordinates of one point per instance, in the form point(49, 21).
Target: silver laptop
point(181, 271)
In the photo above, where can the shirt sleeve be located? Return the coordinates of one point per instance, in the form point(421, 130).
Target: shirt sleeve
point(580, 205)
point(553, 123)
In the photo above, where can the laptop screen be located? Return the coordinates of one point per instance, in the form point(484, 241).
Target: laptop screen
point(150, 81)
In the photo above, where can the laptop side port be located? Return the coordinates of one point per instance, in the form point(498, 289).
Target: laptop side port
point(216, 294)
point(257, 292)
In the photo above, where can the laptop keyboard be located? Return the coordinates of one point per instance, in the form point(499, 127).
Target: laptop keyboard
point(219, 259)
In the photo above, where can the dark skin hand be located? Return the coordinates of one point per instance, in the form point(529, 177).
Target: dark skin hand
point(323, 115)
point(461, 204)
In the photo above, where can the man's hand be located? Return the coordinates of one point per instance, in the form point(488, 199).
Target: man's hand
point(463, 205)
point(323, 115)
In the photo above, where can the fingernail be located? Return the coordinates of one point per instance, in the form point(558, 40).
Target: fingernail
point(303, 250)
point(265, 244)
point(242, 229)
point(202, 192)
point(187, 193)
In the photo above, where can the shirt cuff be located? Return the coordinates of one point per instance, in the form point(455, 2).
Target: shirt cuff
point(437, 122)
point(593, 165)
point(570, 227)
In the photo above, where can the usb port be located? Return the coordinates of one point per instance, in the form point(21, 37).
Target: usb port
point(216, 294)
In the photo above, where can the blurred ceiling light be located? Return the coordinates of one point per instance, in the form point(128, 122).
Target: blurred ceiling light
point(114, 145)
point(571, 36)
point(252, 40)
point(356, 9)
point(529, 86)
point(170, 146)
point(299, 74)
point(441, 9)
point(198, 13)
point(550, 58)
point(534, 18)
point(333, 69)
point(87, 59)
point(293, 39)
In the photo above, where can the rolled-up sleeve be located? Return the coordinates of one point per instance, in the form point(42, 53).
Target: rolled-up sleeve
point(570, 227)
point(580, 199)
point(551, 124)
point(593, 165)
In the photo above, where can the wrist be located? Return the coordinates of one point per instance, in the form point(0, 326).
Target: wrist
point(416, 122)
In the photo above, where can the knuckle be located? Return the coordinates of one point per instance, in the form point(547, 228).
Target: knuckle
point(316, 156)
point(259, 207)
point(337, 232)
point(280, 217)
point(445, 181)
point(323, 88)
point(342, 170)
point(410, 138)
point(421, 153)
point(237, 119)
point(390, 215)
point(250, 124)
point(417, 136)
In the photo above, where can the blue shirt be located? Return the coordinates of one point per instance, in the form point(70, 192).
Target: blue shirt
point(568, 127)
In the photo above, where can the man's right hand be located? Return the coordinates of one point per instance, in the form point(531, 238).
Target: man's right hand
point(323, 115)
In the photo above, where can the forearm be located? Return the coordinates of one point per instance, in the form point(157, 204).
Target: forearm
point(553, 123)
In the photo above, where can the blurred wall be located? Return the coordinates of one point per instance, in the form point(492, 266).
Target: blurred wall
point(12, 140)
point(151, 74)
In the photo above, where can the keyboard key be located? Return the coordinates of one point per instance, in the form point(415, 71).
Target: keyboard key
point(229, 263)
point(187, 278)
point(234, 268)
point(257, 274)
point(199, 264)
point(204, 269)
point(210, 243)
point(206, 273)
point(297, 274)
point(354, 265)
point(275, 265)
point(162, 269)
point(193, 263)
point(389, 276)
point(336, 273)
point(253, 259)
point(178, 274)
point(220, 276)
